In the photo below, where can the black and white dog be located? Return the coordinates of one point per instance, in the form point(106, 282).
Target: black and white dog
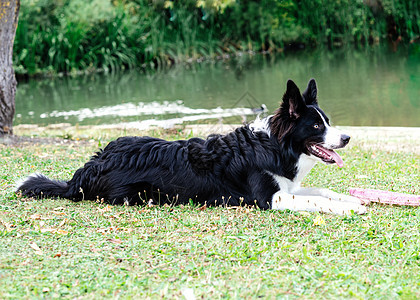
point(259, 164)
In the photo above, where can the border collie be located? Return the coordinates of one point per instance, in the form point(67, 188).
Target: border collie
point(259, 164)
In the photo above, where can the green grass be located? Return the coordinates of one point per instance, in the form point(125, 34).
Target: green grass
point(91, 250)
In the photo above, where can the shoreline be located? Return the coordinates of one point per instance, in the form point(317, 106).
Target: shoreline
point(405, 139)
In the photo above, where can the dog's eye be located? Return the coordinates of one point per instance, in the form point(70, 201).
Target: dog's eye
point(316, 126)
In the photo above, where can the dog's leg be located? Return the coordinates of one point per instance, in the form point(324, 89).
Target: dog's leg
point(298, 202)
point(329, 194)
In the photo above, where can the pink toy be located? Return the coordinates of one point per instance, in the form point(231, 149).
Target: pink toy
point(385, 197)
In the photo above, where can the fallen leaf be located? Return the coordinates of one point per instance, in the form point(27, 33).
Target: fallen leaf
point(59, 213)
point(25, 263)
point(106, 208)
point(204, 207)
point(115, 241)
point(7, 225)
point(63, 222)
point(319, 221)
point(64, 232)
point(39, 217)
point(35, 217)
point(35, 247)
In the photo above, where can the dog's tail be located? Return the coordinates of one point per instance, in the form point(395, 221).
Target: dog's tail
point(40, 186)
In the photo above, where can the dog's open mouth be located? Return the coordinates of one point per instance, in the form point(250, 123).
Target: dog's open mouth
point(327, 155)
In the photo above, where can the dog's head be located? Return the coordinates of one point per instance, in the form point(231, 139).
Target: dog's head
point(301, 123)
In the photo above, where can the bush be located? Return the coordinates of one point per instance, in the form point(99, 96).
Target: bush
point(75, 35)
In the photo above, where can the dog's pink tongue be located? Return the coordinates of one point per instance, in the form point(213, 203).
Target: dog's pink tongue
point(338, 160)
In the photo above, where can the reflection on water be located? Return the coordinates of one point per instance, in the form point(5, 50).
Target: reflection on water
point(153, 110)
point(369, 88)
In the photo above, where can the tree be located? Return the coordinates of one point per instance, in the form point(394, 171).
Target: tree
point(9, 11)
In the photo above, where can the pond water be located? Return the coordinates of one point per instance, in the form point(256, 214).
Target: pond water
point(363, 88)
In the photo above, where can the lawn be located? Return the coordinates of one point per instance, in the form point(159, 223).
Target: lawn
point(61, 249)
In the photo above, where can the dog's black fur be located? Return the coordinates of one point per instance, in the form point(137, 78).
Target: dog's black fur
point(232, 169)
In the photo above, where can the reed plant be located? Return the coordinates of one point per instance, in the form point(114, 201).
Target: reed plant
point(72, 36)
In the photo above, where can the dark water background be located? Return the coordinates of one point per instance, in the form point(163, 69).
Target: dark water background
point(372, 87)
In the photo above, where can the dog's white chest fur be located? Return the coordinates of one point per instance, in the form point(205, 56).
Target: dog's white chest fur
point(304, 166)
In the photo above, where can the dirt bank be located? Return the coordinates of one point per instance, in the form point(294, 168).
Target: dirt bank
point(400, 139)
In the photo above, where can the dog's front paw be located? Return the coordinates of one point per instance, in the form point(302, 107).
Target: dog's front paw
point(351, 199)
point(342, 197)
point(364, 201)
point(360, 210)
point(356, 209)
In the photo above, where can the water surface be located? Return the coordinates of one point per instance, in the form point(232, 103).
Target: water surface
point(363, 88)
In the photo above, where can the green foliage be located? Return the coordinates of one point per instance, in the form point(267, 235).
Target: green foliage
point(73, 36)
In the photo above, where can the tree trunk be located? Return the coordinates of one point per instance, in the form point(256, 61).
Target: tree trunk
point(9, 11)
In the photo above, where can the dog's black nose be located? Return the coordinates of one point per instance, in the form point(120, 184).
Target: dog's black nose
point(345, 139)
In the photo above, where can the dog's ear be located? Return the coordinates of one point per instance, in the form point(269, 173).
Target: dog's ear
point(310, 94)
point(293, 101)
